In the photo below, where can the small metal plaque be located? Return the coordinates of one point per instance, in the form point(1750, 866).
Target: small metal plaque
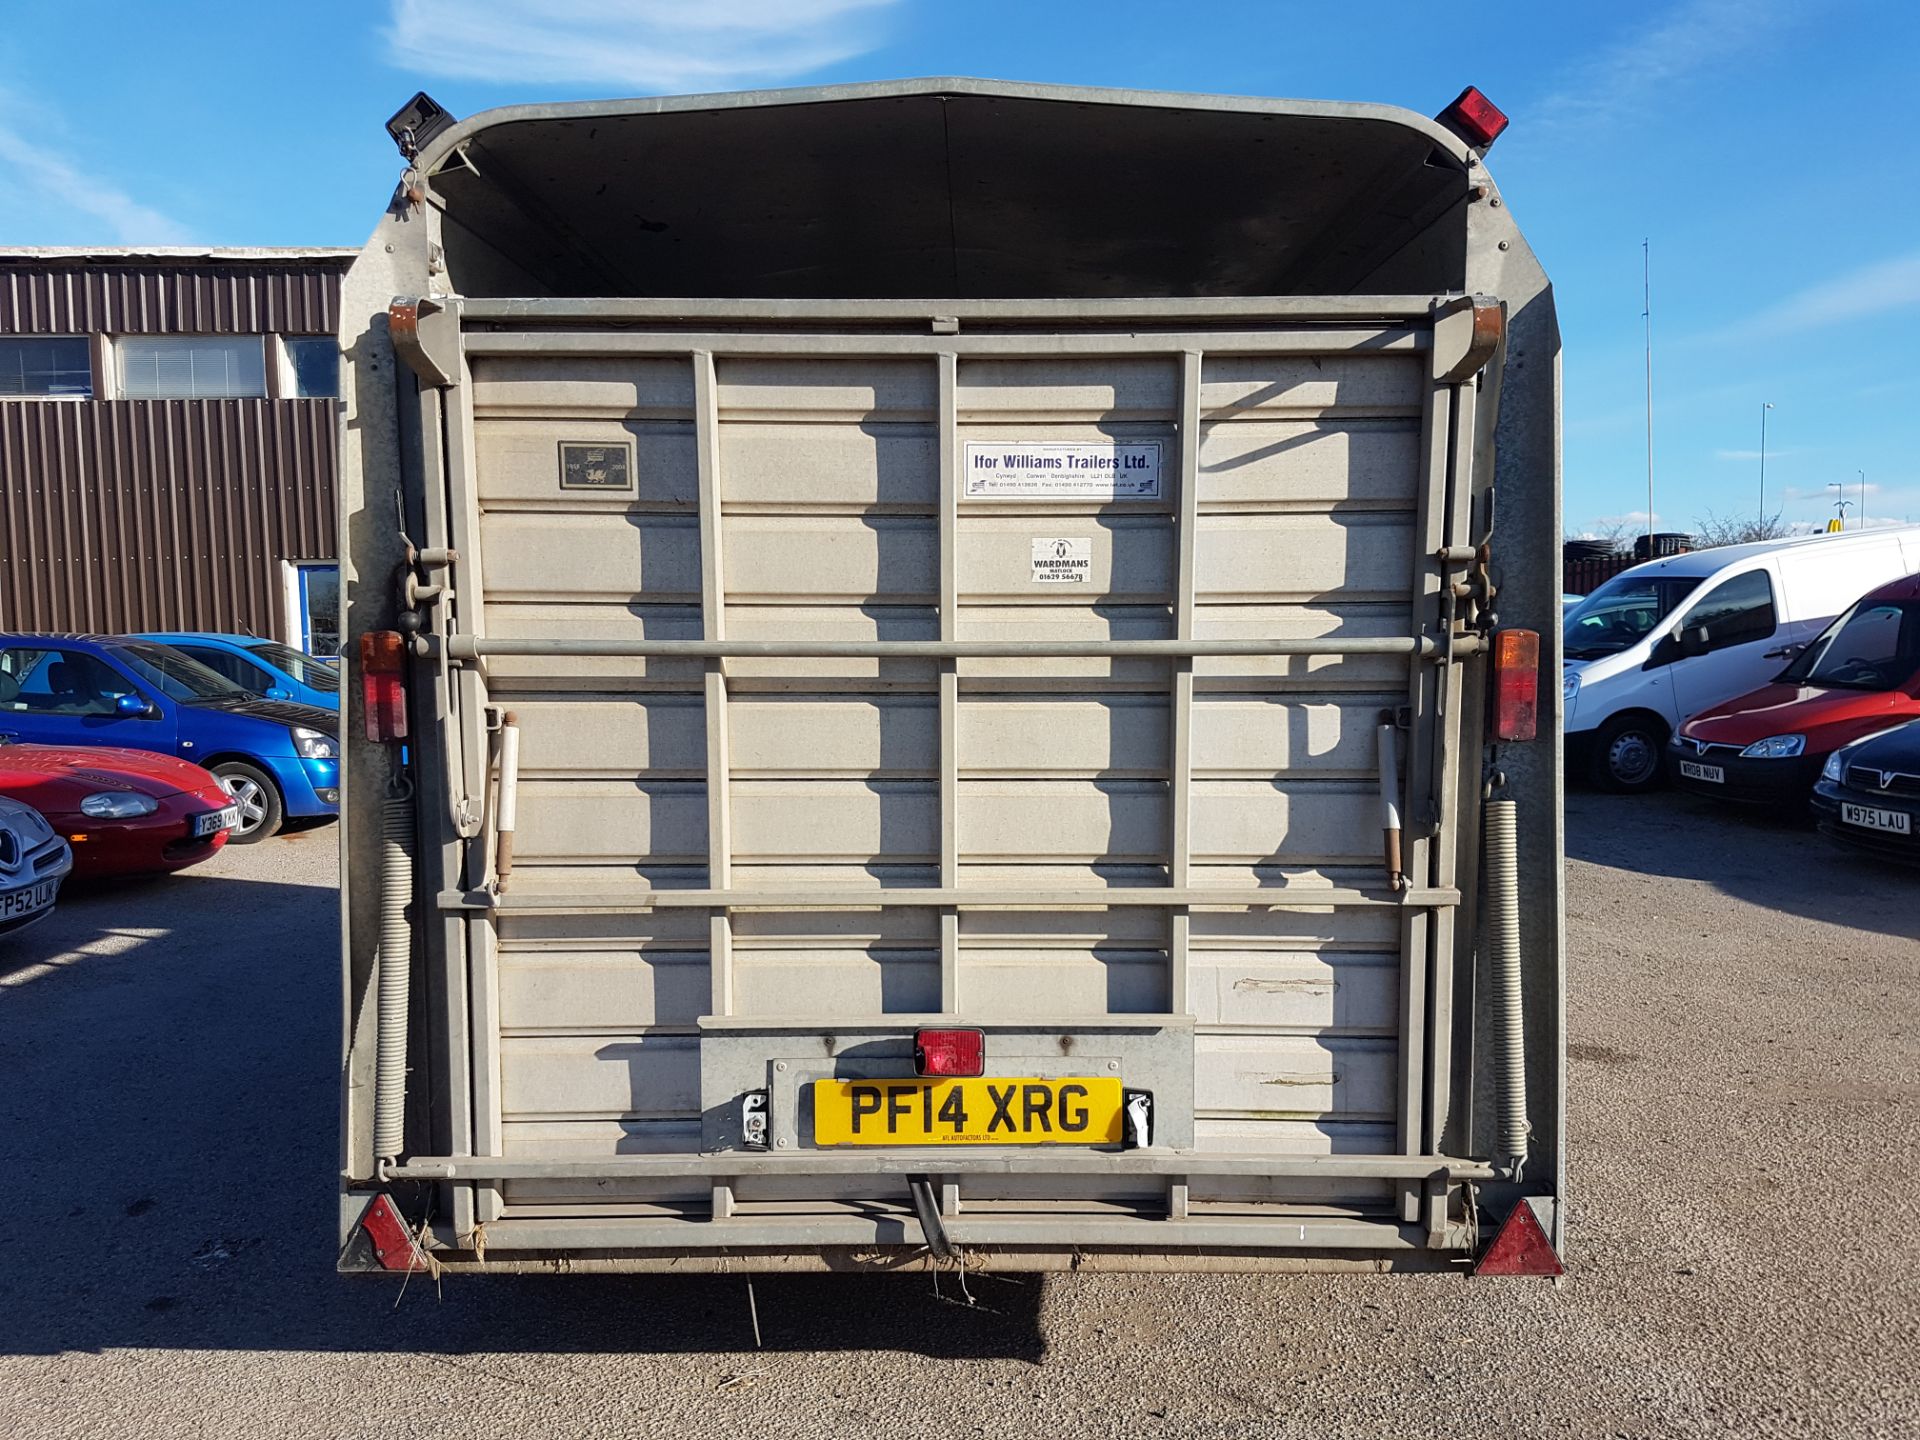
point(596, 467)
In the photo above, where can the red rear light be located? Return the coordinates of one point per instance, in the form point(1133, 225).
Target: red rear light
point(383, 685)
point(1474, 118)
point(1516, 684)
point(949, 1052)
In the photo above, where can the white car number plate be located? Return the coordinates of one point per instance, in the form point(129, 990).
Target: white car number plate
point(1694, 770)
point(16, 903)
point(1897, 821)
point(219, 820)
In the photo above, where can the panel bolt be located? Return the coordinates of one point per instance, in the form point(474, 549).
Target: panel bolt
point(1505, 246)
point(780, 1065)
point(1113, 1064)
point(781, 1142)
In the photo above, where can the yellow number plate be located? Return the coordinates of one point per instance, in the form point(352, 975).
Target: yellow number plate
point(1078, 1110)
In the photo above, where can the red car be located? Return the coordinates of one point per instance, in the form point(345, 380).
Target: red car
point(1860, 677)
point(123, 811)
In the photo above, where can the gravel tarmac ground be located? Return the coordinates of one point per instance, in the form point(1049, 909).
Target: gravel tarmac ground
point(1744, 1243)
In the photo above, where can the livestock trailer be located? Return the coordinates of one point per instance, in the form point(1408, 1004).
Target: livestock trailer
point(945, 672)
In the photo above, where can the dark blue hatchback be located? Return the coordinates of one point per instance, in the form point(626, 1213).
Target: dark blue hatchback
point(1868, 797)
point(278, 760)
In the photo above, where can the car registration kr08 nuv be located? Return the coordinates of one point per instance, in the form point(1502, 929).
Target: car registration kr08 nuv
point(1076, 1110)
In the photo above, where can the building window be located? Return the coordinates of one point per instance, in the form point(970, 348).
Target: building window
point(313, 367)
point(192, 367)
point(55, 367)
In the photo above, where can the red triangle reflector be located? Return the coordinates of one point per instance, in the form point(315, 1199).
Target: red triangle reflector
point(1521, 1247)
point(393, 1243)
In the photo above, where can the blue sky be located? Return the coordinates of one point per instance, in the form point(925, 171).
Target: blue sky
point(1766, 148)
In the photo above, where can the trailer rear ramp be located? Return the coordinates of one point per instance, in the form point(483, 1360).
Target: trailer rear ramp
point(918, 606)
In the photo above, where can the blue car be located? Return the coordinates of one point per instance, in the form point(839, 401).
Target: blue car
point(264, 667)
point(278, 760)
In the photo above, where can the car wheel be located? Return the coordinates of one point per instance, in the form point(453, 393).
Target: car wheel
point(261, 812)
point(1627, 754)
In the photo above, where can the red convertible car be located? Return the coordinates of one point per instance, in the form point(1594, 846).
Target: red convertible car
point(123, 811)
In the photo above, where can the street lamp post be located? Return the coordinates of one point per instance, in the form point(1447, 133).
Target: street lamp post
point(1768, 405)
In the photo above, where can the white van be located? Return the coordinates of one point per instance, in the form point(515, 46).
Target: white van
point(1661, 642)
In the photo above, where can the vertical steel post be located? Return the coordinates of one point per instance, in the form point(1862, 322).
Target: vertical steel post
point(713, 600)
point(1447, 766)
point(1429, 581)
point(441, 795)
point(949, 521)
point(466, 614)
point(1180, 697)
point(1180, 724)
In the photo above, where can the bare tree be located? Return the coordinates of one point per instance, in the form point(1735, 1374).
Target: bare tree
point(1714, 530)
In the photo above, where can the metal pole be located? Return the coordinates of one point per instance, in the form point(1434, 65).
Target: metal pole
point(1763, 458)
point(1646, 316)
point(1861, 519)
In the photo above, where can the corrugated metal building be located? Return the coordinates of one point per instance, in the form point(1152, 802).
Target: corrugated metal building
point(167, 440)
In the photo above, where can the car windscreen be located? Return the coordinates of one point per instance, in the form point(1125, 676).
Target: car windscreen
point(1873, 646)
point(1621, 612)
point(307, 669)
point(177, 676)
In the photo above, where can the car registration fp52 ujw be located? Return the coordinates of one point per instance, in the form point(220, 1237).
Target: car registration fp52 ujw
point(16, 903)
point(1076, 1110)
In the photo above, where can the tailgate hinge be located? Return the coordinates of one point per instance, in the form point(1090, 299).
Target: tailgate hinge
point(1466, 333)
point(426, 335)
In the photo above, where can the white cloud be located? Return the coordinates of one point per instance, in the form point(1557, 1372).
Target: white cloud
point(38, 171)
point(639, 45)
point(1824, 493)
point(1694, 36)
point(1869, 290)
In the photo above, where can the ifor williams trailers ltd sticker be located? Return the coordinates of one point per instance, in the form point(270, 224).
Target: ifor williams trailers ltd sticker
point(1063, 470)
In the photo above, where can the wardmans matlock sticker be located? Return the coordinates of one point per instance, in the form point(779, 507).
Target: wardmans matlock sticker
point(1063, 470)
point(1064, 561)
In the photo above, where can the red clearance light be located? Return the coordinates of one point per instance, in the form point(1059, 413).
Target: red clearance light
point(949, 1052)
point(1474, 118)
point(383, 686)
point(1516, 684)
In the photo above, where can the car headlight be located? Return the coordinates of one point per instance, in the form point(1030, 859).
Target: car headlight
point(1776, 747)
point(1570, 685)
point(118, 805)
point(1831, 770)
point(313, 744)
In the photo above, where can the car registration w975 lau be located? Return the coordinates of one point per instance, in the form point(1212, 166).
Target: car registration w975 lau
point(15, 903)
point(1694, 770)
point(1077, 1110)
point(1868, 817)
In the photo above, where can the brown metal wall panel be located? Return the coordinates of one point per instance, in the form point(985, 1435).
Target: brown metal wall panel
point(292, 299)
point(160, 514)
